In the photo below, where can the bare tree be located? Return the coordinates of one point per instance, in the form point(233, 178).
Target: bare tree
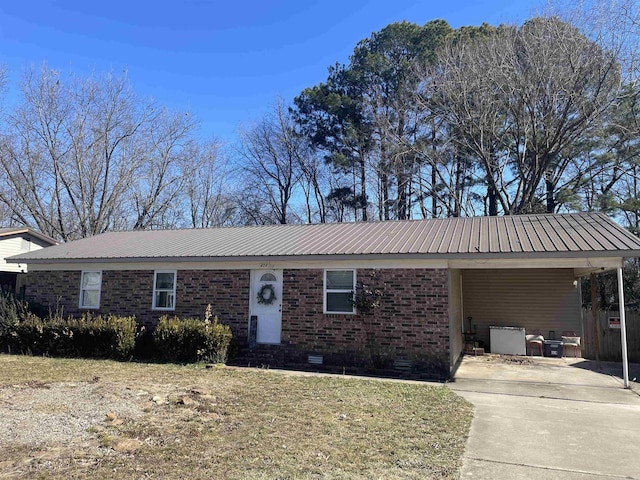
point(160, 178)
point(313, 180)
point(81, 156)
point(208, 194)
point(271, 156)
point(518, 99)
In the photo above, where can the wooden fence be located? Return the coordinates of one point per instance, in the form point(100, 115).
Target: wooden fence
point(608, 336)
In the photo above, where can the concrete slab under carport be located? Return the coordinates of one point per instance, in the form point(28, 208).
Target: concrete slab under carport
point(549, 418)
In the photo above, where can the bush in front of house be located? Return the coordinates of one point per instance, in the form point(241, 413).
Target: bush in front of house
point(12, 311)
point(100, 336)
point(192, 339)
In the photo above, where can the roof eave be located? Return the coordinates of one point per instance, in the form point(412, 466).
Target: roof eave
point(333, 257)
point(33, 233)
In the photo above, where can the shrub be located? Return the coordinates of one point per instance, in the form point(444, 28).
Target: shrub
point(12, 312)
point(106, 336)
point(192, 339)
point(88, 336)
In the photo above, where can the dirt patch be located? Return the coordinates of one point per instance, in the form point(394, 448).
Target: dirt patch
point(506, 359)
point(36, 414)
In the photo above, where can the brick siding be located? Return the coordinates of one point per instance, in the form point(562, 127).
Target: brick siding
point(129, 292)
point(411, 323)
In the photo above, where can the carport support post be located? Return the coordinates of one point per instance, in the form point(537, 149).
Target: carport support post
point(623, 330)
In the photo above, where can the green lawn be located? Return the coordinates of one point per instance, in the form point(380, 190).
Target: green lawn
point(234, 423)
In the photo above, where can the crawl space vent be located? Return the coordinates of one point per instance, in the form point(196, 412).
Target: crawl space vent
point(403, 365)
point(315, 359)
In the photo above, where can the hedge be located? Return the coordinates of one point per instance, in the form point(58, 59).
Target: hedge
point(192, 339)
point(98, 336)
point(109, 336)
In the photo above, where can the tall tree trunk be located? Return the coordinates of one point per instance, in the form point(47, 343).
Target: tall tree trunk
point(421, 196)
point(636, 215)
point(384, 181)
point(401, 174)
point(401, 206)
point(434, 199)
point(363, 188)
point(492, 197)
point(550, 188)
point(434, 176)
point(457, 193)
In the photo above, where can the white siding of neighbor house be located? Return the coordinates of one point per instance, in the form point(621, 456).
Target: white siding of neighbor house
point(536, 299)
point(13, 246)
point(455, 315)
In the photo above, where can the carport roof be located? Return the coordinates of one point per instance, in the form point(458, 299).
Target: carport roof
point(579, 234)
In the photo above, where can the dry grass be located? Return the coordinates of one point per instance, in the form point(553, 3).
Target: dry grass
point(238, 424)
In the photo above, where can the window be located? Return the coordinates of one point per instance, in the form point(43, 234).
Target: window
point(339, 286)
point(164, 290)
point(90, 284)
point(268, 277)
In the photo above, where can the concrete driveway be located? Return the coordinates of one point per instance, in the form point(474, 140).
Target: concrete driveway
point(549, 419)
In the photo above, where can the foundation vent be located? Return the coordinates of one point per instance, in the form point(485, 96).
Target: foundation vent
point(403, 365)
point(315, 359)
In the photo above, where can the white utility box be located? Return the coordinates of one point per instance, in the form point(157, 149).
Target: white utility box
point(508, 340)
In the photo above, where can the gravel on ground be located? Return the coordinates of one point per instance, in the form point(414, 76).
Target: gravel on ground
point(37, 414)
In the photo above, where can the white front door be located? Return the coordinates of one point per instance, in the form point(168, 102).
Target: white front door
point(266, 304)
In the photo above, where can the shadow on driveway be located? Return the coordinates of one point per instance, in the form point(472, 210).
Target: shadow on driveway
point(613, 369)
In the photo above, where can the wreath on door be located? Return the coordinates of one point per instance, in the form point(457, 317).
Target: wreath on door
point(267, 294)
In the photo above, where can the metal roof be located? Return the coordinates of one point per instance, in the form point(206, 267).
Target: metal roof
point(579, 234)
point(8, 231)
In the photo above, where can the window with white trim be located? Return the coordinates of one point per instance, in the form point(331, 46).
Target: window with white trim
point(90, 285)
point(164, 290)
point(339, 287)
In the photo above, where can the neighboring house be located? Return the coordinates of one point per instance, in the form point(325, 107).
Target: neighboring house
point(13, 241)
point(297, 281)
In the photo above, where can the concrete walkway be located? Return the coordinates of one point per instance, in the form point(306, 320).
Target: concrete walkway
point(549, 419)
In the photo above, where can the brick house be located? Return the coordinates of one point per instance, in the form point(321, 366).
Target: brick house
point(289, 289)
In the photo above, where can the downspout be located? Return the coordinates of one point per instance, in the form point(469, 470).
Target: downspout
point(623, 330)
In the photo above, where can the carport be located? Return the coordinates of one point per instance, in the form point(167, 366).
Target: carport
point(525, 272)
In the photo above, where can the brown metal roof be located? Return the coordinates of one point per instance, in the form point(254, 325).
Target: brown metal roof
point(580, 234)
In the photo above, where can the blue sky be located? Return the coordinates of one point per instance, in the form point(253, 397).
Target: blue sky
point(226, 61)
